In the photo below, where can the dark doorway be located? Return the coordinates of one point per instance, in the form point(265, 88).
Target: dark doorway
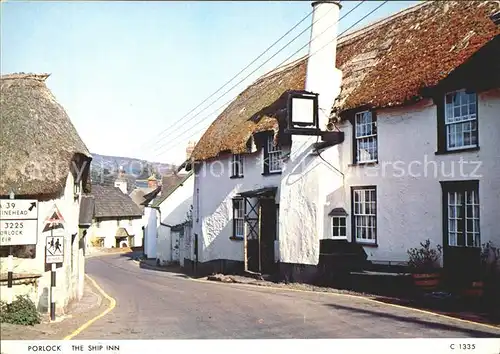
point(267, 235)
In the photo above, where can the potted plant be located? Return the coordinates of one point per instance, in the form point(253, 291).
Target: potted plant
point(424, 263)
point(489, 270)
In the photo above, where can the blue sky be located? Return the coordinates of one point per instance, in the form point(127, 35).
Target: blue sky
point(126, 71)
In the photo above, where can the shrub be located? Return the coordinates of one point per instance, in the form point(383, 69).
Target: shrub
point(490, 258)
point(21, 311)
point(425, 258)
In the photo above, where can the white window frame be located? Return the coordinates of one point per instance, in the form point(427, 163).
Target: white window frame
point(364, 218)
point(463, 204)
point(365, 132)
point(274, 156)
point(239, 218)
point(237, 162)
point(461, 123)
point(341, 229)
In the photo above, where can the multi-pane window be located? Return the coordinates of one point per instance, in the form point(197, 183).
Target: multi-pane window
point(339, 228)
point(238, 218)
point(460, 120)
point(365, 214)
point(462, 211)
point(365, 134)
point(273, 156)
point(237, 166)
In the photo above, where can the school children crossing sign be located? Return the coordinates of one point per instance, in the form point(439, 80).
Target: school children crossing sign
point(54, 249)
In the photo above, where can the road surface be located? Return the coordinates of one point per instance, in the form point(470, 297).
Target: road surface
point(161, 305)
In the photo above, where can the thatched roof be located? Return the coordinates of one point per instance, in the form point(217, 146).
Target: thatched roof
point(37, 139)
point(385, 64)
point(254, 110)
point(121, 232)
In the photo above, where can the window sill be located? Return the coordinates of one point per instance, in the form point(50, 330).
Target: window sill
point(271, 173)
point(367, 244)
point(235, 177)
point(369, 163)
point(233, 238)
point(458, 151)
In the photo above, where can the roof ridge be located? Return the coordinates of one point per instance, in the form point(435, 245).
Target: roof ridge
point(371, 26)
point(24, 76)
point(346, 37)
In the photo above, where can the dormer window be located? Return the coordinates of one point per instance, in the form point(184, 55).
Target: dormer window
point(365, 137)
point(460, 120)
point(237, 166)
point(272, 156)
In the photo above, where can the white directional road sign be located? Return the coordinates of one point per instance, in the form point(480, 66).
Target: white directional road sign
point(54, 249)
point(18, 222)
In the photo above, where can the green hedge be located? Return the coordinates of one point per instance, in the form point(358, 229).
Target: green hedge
point(21, 311)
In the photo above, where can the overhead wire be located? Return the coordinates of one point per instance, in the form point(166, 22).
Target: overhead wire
point(235, 76)
point(247, 76)
point(171, 142)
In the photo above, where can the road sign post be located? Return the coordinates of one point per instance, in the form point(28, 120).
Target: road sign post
point(54, 253)
point(18, 222)
point(18, 226)
point(10, 268)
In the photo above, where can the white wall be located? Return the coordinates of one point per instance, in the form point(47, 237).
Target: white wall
point(150, 232)
point(307, 180)
point(212, 204)
point(106, 229)
point(69, 277)
point(409, 205)
point(173, 211)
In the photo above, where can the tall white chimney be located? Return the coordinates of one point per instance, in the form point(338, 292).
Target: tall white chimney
point(306, 180)
point(322, 76)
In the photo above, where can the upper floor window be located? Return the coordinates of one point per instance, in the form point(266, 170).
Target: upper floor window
point(365, 137)
point(460, 120)
point(237, 165)
point(272, 156)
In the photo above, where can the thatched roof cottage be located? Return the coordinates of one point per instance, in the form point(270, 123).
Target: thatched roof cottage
point(252, 179)
point(42, 158)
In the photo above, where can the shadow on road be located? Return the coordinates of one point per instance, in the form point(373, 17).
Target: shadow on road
point(428, 324)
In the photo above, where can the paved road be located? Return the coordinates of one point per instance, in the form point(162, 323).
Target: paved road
point(159, 305)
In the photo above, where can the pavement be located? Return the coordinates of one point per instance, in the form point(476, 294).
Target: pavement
point(77, 313)
point(165, 305)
